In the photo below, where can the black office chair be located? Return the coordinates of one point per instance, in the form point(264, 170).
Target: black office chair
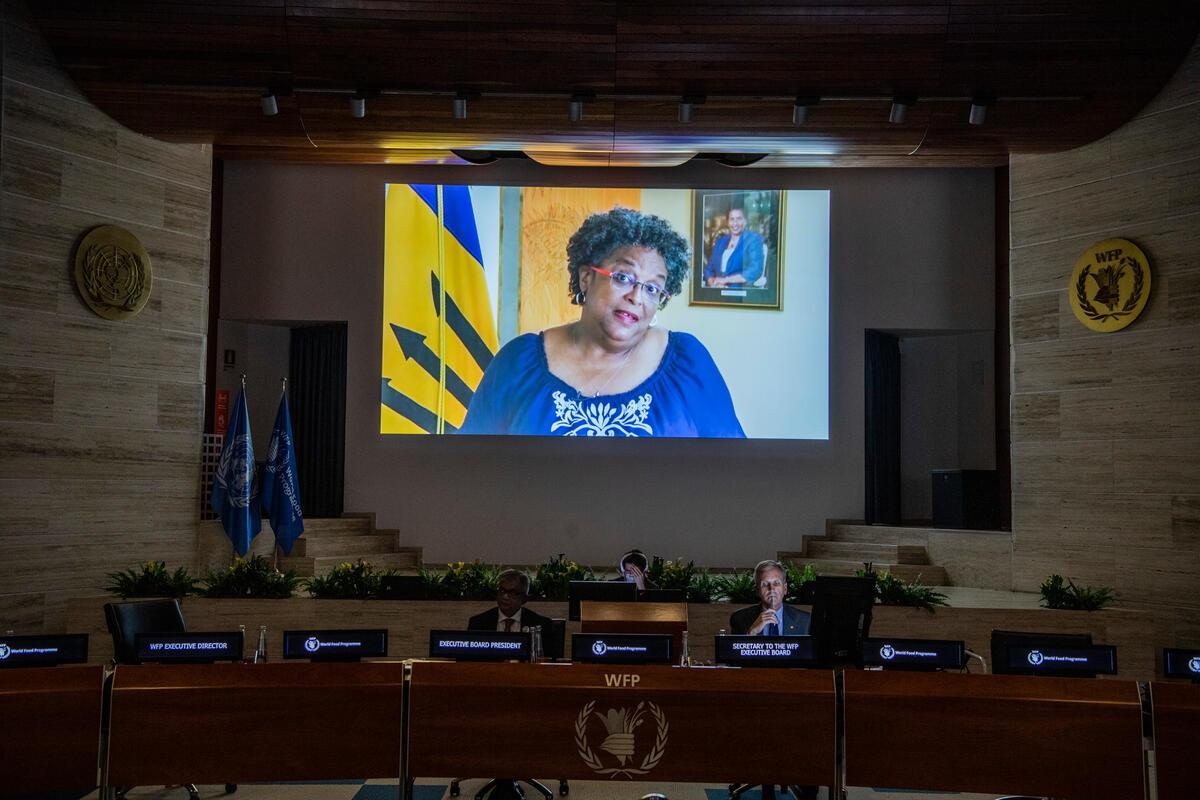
point(768, 792)
point(125, 621)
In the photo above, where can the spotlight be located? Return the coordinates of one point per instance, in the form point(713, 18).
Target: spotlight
point(899, 110)
point(685, 106)
point(979, 107)
point(800, 109)
point(575, 107)
point(460, 105)
point(269, 105)
point(358, 105)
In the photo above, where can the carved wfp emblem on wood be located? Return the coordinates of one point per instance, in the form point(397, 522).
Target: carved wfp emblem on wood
point(621, 742)
point(112, 272)
point(1110, 285)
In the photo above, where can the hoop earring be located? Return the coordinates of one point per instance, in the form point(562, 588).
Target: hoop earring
point(579, 298)
point(654, 321)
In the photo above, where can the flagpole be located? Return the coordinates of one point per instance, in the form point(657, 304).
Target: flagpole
point(232, 544)
point(275, 559)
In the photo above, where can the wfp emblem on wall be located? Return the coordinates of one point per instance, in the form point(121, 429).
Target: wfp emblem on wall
point(628, 748)
point(1110, 285)
point(112, 272)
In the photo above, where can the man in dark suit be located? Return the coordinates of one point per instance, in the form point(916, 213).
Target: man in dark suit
point(770, 617)
point(509, 615)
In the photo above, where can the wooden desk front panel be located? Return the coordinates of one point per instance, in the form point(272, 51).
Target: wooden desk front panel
point(698, 724)
point(236, 723)
point(50, 729)
point(1176, 739)
point(1067, 738)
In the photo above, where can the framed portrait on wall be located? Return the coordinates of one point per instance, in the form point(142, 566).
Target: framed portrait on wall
point(736, 241)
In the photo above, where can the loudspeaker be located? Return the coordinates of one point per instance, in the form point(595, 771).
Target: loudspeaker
point(966, 498)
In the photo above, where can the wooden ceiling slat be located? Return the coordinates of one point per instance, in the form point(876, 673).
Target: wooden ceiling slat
point(147, 62)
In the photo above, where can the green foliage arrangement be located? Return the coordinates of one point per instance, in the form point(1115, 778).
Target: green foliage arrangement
point(703, 588)
point(463, 581)
point(253, 577)
point(151, 579)
point(551, 579)
point(671, 574)
point(800, 583)
point(738, 587)
point(346, 581)
point(1058, 592)
point(893, 591)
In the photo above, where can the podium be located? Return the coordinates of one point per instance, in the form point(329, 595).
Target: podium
point(660, 618)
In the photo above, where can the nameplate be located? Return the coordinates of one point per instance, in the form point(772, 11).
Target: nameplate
point(43, 651)
point(1081, 661)
point(335, 645)
point(1181, 663)
point(914, 654)
point(765, 651)
point(621, 648)
point(193, 648)
point(480, 645)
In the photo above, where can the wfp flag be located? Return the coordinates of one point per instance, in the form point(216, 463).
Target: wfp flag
point(235, 491)
point(281, 488)
point(439, 331)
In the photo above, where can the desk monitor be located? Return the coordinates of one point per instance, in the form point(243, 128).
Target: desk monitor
point(401, 587)
point(189, 648)
point(1181, 662)
point(662, 596)
point(841, 617)
point(43, 651)
point(336, 645)
point(920, 655)
point(621, 648)
point(1065, 655)
point(605, 591)
point(480, 645)
point(765, 651)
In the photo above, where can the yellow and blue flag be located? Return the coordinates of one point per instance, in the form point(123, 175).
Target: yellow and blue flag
point(439, 331)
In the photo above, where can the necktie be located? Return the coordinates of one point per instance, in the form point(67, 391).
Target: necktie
point(772, 629)
point(508, 625)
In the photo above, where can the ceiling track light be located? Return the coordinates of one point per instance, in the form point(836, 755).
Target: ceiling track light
point(899, 112)
point(575, 106)
point(459, 103)
point(800, 108)
point(979, 109)
point(270, 107)
point(686, 104)
point(358, 105)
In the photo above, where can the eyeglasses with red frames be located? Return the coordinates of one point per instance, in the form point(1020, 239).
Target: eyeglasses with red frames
point(625, 282)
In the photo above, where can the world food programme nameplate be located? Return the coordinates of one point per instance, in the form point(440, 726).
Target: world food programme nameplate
point(765, 651)
point(195, 648)
point(335, 645)
point(480, 645)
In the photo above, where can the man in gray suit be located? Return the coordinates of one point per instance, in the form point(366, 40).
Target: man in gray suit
point(771, 617)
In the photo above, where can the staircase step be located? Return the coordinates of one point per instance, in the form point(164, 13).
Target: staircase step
point(875, 534)
point(358, 524)
point(348, 545)
point(404, 558)
point(867, 551)
point(928, 574)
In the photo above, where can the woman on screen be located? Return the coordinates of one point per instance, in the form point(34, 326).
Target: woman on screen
point(614, 372)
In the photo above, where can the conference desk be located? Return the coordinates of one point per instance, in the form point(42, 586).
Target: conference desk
point(1176, 738)
point(1060, 737)
point(237, 723)
point(642, 723)
point(49, 729)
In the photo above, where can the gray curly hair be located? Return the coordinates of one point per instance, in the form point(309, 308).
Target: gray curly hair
point(602, 234)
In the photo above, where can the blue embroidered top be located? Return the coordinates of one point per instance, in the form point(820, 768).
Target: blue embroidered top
point(685, 396)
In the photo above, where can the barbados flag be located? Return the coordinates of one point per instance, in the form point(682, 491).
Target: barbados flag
point(439, 329)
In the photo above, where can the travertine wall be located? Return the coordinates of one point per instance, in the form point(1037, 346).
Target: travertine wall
point(1106, 427)
point(100, 421)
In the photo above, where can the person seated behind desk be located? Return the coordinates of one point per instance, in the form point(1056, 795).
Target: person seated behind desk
point(509, 615)
point(771, 617)
point(632, 569)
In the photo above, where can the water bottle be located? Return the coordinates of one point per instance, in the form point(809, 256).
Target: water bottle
point(683, 656)
point(537, 644)
point(242, 630)
point(260, 653)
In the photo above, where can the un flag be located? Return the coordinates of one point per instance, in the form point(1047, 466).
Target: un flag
point(281, 486)
point(235, 487)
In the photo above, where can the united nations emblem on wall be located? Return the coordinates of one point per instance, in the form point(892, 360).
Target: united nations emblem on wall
point(1110, 285)
point(112, 272)
point(628, 747)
